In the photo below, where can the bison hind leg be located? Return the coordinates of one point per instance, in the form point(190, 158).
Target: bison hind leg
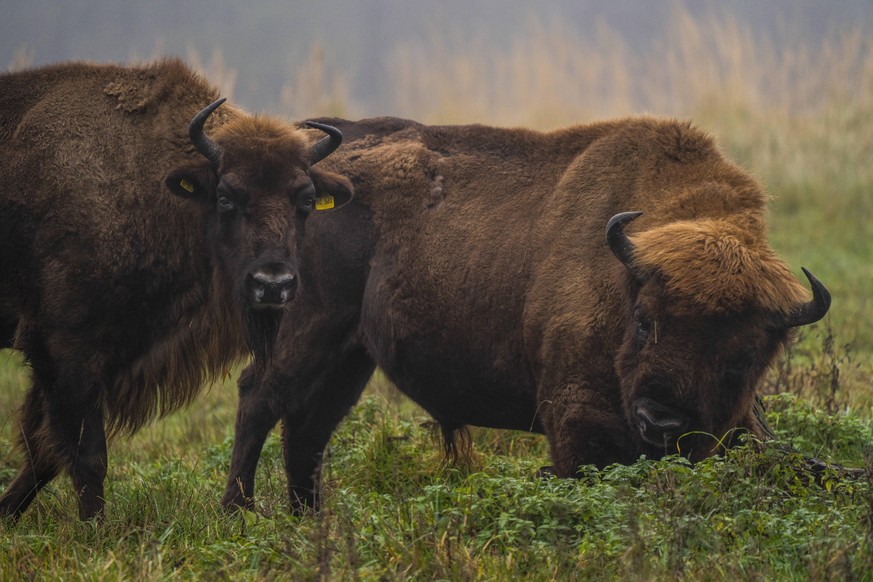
point(40, 465)
point(546, 472)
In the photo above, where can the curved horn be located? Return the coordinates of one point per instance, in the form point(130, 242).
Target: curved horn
point(814, 310)
point(204, 145)
point(617, 240)
point(326, 145)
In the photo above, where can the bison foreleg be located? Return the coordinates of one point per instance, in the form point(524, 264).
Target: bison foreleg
point(306, 432)
point(88, 467)
point(584, 428)
point(255, 418)
point(77, 439)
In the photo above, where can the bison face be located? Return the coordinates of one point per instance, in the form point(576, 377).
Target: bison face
point(688, 379)
point(688, 367)
point(257, 186)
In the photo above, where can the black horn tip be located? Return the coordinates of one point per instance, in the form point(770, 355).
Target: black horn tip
point(617, 240)
point(620, 220)
point(198, 137)
point(325, 146)
point(196, 125)
point(328, 129)
point(821, 300)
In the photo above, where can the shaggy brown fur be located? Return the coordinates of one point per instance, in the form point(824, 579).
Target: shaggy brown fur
point(127, 259)
point(474, 270)
point(718, 267)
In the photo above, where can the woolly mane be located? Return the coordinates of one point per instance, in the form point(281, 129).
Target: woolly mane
point(136, 89)
point(262, 137)
point(201, 344)
point(718, 265)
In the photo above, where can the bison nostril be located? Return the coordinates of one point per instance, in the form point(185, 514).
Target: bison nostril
point(271, 289)
point(658, 423)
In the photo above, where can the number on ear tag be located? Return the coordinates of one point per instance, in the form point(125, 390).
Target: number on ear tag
point(187, 185)
point(324, 202)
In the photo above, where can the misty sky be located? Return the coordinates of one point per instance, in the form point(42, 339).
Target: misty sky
point(261, 40)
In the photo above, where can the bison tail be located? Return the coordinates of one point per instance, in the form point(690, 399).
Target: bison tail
point(457, 444)
point(456, 440)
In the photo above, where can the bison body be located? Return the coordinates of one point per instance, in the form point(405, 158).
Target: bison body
point(497, 278)
point(139, 256)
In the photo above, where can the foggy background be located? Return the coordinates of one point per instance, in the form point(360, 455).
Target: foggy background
point(368, 56)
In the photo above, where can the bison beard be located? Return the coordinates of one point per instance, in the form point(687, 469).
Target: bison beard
point(263, 328)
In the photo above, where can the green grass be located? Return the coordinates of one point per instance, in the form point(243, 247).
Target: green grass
point(393, 510)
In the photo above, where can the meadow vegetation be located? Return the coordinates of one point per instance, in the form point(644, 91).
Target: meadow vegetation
point(798, 117)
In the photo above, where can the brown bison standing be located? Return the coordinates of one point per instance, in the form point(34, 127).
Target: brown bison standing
point(473, 268)
point(138, 256)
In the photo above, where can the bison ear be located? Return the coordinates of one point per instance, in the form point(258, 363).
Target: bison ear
point(195, 180)
point(331, 190)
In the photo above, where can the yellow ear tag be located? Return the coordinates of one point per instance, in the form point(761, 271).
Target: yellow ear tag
point(324, 202)
point(187, 185)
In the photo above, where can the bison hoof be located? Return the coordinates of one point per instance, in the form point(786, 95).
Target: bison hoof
point(546, 472)
point(236, 503)
point(303, 501)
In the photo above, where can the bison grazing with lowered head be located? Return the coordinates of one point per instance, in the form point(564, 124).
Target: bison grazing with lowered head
point(139, 255)
point(507, 278)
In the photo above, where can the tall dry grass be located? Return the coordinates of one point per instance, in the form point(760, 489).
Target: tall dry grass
point(553, 75)
point(215, 69)
point(314, 87)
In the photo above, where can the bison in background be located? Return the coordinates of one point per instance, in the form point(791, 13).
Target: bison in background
point(139, 256)
point(473, 268)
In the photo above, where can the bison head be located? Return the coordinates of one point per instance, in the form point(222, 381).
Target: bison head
point(257, 185)
point(710, 307)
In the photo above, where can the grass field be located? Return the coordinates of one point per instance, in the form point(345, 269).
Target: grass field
point(800, 119)
point(394, 511)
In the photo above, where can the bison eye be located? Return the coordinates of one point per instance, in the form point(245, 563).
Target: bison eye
point(306, 204)
point(306, 199)
point(644, 329)
point(224, 204)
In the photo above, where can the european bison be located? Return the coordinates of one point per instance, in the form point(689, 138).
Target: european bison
point(496, 277)
point(139, 257)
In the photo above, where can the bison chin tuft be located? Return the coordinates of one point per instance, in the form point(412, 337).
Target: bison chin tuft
point(696, 446)
point(263, 329)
